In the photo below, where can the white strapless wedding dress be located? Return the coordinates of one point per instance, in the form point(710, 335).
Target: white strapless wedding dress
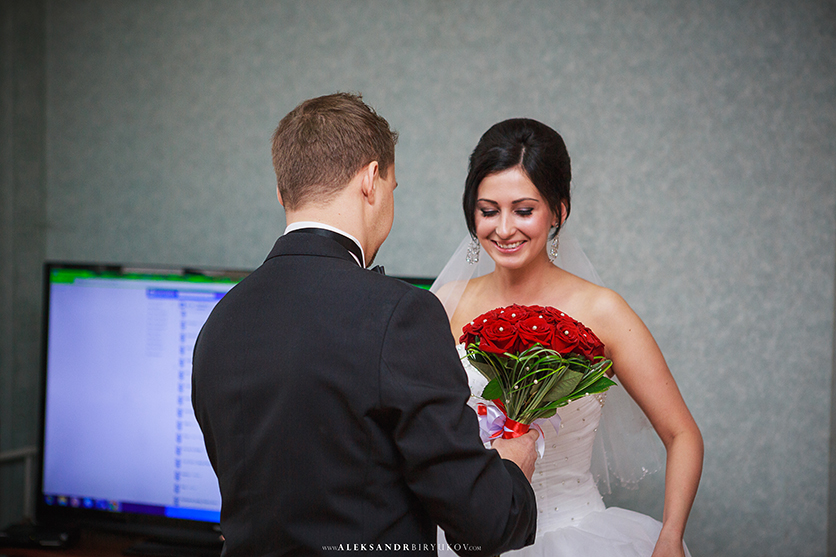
point(573, 520)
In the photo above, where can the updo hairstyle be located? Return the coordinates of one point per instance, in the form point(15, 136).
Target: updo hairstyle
point(535, 148)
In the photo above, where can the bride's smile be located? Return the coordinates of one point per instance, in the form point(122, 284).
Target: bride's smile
point(512, 219)
point(508, 247)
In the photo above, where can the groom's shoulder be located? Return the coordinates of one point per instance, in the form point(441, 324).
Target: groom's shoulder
point(403, 287)
point(396, 287)
point(397, 293)
point(410, 299)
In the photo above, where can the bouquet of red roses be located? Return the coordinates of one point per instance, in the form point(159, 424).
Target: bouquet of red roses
point(536, 359)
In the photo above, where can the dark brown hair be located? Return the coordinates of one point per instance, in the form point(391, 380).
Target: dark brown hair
point(529, 145)
point(320, 145)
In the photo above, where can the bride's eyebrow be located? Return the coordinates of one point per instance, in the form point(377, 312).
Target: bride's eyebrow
point(525, 199)
point(491, 201)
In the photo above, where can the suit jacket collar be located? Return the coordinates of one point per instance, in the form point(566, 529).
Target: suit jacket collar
point(311, 245)
point(322, 228)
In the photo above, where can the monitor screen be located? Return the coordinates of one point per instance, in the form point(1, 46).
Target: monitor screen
point(120, 443)
point(119, 435)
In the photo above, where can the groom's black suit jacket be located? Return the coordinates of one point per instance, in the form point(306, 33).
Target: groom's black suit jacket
point(332, 402)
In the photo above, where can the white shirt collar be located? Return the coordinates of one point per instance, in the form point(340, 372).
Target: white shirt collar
point(312, 224)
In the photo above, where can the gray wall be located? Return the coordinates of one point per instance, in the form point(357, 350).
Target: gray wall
point(702, 140)
point(23, 232)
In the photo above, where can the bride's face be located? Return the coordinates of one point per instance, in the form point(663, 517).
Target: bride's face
point(512, 219)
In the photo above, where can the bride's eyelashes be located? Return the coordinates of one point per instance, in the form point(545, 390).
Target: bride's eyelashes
point(486, 213)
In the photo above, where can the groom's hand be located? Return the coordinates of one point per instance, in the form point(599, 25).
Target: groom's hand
point(521, 451)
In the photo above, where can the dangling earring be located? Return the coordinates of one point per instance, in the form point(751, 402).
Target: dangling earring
point(553, 245)
point(473, 251)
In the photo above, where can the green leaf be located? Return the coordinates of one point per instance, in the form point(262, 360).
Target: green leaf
point(543, 414)
point(596, 372)
point(565, 386)
point(590, 378)
point(599, 386)
point(485, 369)
point(556, 404)
point(493, 390)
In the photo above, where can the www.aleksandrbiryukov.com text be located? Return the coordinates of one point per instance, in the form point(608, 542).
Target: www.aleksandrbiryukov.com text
point(395, 547)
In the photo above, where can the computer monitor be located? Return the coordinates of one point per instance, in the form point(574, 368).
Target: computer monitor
point(120, 446)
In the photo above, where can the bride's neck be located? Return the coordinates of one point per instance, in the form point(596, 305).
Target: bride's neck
point(524, 285)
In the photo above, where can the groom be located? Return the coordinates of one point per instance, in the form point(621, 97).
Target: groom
point(331, 397)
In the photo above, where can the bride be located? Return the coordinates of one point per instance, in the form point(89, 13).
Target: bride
point(516, 201)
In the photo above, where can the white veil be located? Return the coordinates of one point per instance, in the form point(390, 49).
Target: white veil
point(626, 447)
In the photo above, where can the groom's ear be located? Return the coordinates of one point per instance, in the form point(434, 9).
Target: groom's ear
point(368, 183)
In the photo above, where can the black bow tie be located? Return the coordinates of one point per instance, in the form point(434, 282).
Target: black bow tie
point(345, 242)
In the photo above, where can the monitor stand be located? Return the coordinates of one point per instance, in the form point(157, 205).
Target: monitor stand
point(35, 535)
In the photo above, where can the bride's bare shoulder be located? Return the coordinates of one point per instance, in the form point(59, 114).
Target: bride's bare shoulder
point(474, 292)
point(455, 293)
point(448, 288)
point(591, 300)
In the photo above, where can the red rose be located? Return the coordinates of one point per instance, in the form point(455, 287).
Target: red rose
point(554, 315)
point(539, 310)
point(597, 352)
point(491, 315)
point(470, 332)
point(474, 328)
point(590, 346)
point(515, 312)
point(535, 329)
point(498, 336)
point(566, 337)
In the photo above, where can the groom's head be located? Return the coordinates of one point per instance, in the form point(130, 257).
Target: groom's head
point(323, 143)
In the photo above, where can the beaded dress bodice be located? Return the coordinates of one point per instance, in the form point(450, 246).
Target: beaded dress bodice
point(562, 479)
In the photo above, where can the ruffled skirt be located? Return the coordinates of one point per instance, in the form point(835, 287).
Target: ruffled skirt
point(613, 532)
